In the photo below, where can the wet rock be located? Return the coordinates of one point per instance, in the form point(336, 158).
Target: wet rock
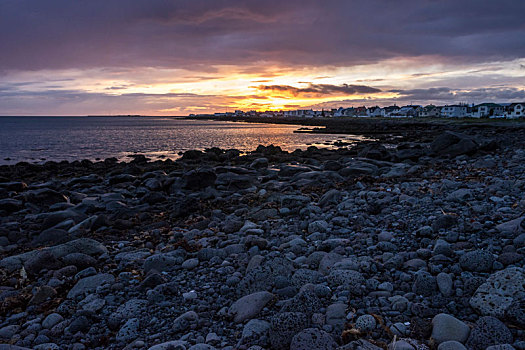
point(255, 329)
point(446, 328)
point(199, 178)
point(51, 320)
point(453, 144)
point(10, 205)
point(129, 331)
point(488, 331)
point(51, 236)
point(80, 260)
point(445, 284)
point(172, 344)
point(249, 306)
point(90, 284)
point(184, 321)
point(284, 326)
point(477, 260)
point(312, 338)
point(348, 279)
point(160, 262)
point(305, 302)
point(451, 345)
point(424, 284)
point(130, 309)
point(42, 294)
point(41, 260)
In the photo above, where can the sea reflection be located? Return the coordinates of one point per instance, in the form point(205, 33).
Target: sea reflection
point(36, 139)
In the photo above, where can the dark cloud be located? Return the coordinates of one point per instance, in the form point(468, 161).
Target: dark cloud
point(438, 96)
point(198, 33)
point(447, 95)
point(320, 89)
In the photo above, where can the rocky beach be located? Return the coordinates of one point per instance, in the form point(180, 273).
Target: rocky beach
point(414, 241)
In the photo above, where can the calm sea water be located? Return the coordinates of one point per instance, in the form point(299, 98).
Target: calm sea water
point(38, 139)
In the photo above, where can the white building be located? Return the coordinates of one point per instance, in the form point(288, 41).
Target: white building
point(429, 111)
point(376, 112)
point(454, 111)
point(515, 110)
point(486, 110)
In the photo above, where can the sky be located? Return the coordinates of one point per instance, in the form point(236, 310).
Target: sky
point(162, 57)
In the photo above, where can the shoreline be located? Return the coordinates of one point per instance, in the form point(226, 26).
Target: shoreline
point(360, 246)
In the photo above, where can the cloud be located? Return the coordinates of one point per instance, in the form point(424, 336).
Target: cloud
point(320, 89)
point(438, 96)
point(59, 34)
point(447, 95)
point(76, 102)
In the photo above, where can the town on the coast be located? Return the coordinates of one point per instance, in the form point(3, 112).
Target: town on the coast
point(462, 110)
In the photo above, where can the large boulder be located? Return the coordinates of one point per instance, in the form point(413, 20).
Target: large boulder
point(499, 291)
point(453, 144)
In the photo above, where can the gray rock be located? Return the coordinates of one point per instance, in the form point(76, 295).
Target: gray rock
point(511, 228)
point(263, 277)
point(129, 331)
point(336, 314)
point(249, 306)
point(8, 332)
point(445, 284)
point(499, 291)
point(184, 321)
point(82, 245)
point(446, 327)
point(453, 144)
point(488, 331)
point(305, 302)
point(190, 264)
point(171, 345)
point(348, 279)
point(461, 196)
point(160, 262)
point(365, 323)
point(80, 260)
point(201, 347)
point(255, 329)
point(46, 346)
point(79, 324)
point(451, 345)
point(130, 309)
point(312, 338)
point(284, 326)
point(500, 347)
point(424, 284)
point(360, 344)
point(477, 261)
point(516, 312)
point(89, 284)
point(52, 320)
point(318, 226)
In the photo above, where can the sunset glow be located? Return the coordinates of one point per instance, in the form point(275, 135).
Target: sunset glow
point(295, 55)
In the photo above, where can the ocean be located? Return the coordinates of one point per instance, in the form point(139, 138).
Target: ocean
point(40, 139)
